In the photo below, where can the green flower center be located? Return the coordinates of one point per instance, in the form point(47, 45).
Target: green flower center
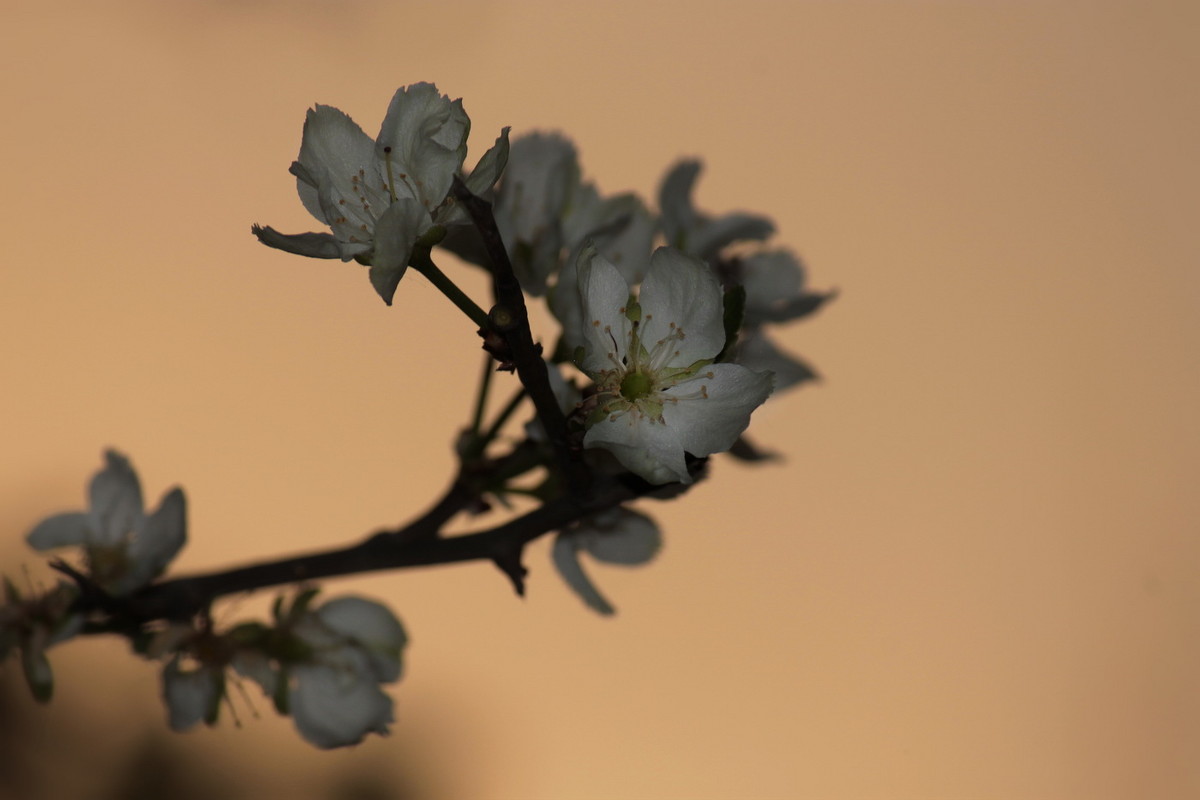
point(636, 385)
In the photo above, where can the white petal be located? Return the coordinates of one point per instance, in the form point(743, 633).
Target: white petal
point(332, 152)
point(158, 540)
point(714, 235)
point(675, 202)
point(191, 696)
point(603, 296)
point(116, 501)
point(335, 708)
point(770, 278)
point(427, 134)
point(313, 245)
point(543, 171)
point(711, 424)
point(757, 352)
point(565, 555)
point(682, 290)
point(60, 530)
point(620, 226)
point(255, 665)
point(396, 232)
point(629, 538)
point(491, 165)
point(371, 625)
point(647, 448)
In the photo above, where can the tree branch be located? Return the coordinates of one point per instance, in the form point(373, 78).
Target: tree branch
point(415, 545)
point(510, 319)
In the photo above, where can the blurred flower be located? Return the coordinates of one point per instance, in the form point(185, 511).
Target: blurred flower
point(125, 549)
point(541, 177)
point(775, 293)
point(699, 234)
point(658, 392)
point(31, 625)
point(193, 695)
point(617, 536)
point(334, 695)
point(380, 197)
point(622, 231)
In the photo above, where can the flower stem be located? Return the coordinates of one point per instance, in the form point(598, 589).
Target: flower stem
point(485, 382)
point(423, 264)
point(505, 413)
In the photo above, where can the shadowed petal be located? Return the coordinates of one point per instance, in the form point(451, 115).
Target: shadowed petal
point(712, 423)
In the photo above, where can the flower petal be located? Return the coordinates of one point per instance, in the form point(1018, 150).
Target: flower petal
point(626, 537)
point(491, 165)
point(157, 540)
point(603, 295)
point(756, 351)
point(565, 555)
point(713, 408)
point(371, 625)
point(682, 290)
point(675, 202)
point(313, 245)
point(192, 696)
point(334, 152)
point(770, 278)
point(116, 501)
point(710, 239)
point(427, 137)
point(60, 530)
point(643, 446)
point(396, 232)
point(333, 707)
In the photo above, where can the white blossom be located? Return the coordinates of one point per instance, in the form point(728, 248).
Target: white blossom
point(192, 695)
point(125, 548)
point(380, 196)
point(618, 536)
point(658, 392)
point(334, 695)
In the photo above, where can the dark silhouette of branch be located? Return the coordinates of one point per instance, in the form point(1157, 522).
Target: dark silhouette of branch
point(509, 319)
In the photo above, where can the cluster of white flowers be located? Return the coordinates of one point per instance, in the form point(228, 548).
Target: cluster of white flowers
point(664, 318)
point(323, 666)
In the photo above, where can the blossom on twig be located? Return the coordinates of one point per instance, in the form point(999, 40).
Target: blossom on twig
point(658, 392)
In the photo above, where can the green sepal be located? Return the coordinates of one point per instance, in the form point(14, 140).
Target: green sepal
point(248, 634)
point(735, 315)
point(302, 602)
point(633, 310)
point(214, 710)
point(37, 673)
point(280, 697)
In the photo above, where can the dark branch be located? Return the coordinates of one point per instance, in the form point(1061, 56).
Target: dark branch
point(510, 319)
point(415, 545)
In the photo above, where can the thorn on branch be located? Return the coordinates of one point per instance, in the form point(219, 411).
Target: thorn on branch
point(510, 564)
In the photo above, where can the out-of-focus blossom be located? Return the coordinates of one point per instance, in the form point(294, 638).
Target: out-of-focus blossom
point(618, 536)
point(334, 694)
point(694, 232)
point(31, 625)
point(124, 547)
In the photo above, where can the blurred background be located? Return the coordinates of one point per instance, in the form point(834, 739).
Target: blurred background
point(974, 575)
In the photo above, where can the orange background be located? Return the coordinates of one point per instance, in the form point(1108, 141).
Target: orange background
point(975, 575)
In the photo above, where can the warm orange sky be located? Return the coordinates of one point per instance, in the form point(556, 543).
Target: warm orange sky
point(977, 574)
